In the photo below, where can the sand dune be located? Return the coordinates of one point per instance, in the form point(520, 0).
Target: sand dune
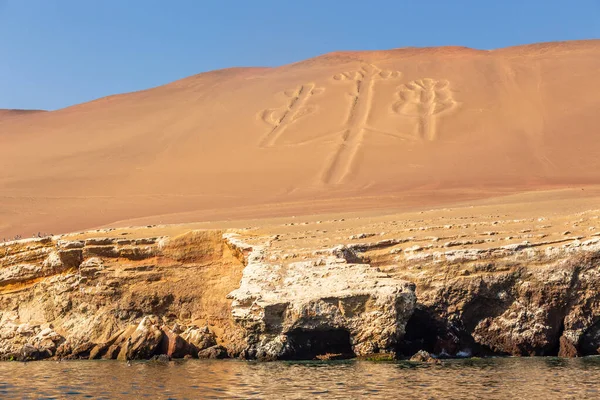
point(11, 113)
point(345, 131)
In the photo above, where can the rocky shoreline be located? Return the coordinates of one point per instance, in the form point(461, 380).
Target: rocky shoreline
point(243, 294)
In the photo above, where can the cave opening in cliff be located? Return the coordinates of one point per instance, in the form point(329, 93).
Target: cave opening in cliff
point(309, 344)
point(421, 333)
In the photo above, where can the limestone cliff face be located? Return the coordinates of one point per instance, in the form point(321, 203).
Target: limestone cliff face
point(114, 297)
point(543, 309)
point(521, 299)
point(237, 294)
point(324, 305)
point(521, 302)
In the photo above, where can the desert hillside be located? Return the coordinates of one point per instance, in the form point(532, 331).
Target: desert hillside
point(346, 131)
point(9, 113)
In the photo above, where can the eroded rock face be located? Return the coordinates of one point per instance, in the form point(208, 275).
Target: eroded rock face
point(26, 341)
point(143, 342)
point(552, 309)
point(116, 298)
point(522, 299)
point(209, 295)
point(424, 357)
point(199, 339)
point(326, 305)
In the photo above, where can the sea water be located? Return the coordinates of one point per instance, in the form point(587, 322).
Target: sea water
point(494, 378)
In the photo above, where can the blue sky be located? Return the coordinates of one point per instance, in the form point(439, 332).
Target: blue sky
point(55, 53)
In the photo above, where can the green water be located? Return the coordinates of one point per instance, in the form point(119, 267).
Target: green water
point(500, 378)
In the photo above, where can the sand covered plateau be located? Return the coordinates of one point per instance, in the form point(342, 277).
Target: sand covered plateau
point(348, 131)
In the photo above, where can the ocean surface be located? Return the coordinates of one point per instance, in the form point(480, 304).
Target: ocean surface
point(496, 378)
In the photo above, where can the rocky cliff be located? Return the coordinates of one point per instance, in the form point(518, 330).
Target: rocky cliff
point(114, 297)
point(259, 295)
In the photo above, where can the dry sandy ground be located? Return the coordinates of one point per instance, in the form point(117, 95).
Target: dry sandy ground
point(559, 217)
point(379, 132)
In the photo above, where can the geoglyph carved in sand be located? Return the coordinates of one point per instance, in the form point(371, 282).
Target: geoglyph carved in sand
point(351, 136)
point(282, 117)
point(425, 99)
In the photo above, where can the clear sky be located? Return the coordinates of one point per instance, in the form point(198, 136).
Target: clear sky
point(55, 53)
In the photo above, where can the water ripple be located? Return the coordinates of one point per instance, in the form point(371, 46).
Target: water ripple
point(499, 378)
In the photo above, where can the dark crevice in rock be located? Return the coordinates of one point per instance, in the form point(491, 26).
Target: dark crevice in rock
point(553, 349)
point(310, 344)
point(422, 332)
point(429, 332)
